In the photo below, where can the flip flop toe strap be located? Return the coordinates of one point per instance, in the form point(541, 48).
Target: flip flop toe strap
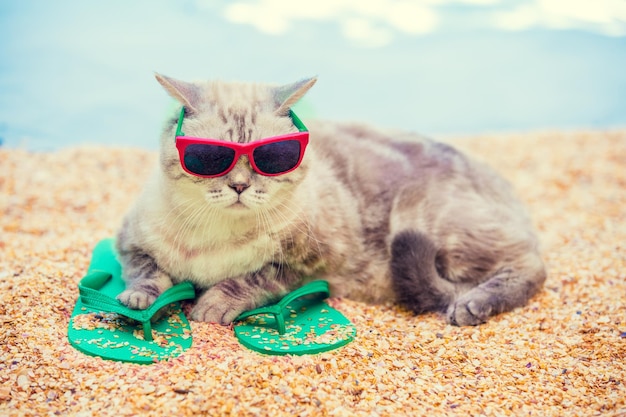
point(278, 310)
point(89, 289)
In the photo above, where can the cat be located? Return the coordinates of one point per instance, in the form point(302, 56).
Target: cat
point(382, 216)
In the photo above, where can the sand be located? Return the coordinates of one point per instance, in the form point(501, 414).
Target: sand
point(562, 354)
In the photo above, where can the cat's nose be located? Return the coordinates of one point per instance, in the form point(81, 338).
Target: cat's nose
point(239, 187)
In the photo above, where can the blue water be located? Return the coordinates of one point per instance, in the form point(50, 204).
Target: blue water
point(82, 72)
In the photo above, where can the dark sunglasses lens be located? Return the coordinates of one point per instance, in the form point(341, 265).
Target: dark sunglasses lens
point(204, 159)
point(277, 157)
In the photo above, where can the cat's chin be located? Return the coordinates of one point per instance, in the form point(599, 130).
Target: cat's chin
point(241, 210)
point(237, 209)
point(238, 206)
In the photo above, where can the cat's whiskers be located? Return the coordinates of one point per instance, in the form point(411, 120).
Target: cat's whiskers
point(264, 229)
point(297, 220)
point(182, 241)
point(291, 228)
point(176, 226)
point(167, 222)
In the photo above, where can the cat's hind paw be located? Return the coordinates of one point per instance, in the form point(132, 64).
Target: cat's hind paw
point(467, 311)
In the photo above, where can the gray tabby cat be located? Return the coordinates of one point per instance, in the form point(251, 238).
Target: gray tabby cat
point(382, 216)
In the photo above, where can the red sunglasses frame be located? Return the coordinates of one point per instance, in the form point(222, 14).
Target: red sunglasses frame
point(182, 142)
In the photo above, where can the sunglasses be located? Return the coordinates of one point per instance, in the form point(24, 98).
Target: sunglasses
point(271, 156)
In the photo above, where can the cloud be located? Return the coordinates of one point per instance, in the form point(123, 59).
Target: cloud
point(364, 32)
point(369, 23)
point(376, 23)
point(604, 16)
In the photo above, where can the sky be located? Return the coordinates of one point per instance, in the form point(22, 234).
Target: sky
point(82, 72)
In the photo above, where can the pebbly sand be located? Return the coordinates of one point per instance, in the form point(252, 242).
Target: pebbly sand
point(562, 354)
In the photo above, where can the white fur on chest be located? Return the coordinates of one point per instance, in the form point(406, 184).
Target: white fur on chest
point(210, 251)
point(207, 265)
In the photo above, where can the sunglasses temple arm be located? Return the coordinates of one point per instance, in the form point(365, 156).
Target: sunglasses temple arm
point(297, 122)
point(179, 127)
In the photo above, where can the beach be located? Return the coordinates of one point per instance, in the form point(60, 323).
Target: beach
point(564, 353)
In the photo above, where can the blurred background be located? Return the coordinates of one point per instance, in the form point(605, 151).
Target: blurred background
point(82, 71)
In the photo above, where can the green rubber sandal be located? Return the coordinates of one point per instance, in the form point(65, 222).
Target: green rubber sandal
point(102, 326)
point(297, 325)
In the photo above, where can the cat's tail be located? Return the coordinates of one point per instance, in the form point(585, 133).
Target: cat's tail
point(416, 281)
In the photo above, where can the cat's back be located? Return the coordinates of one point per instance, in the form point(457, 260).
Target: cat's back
point(376, 165)
point(380, 160)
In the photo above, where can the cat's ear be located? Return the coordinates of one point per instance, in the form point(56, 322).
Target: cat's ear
point(288, 95)
point(186, 93)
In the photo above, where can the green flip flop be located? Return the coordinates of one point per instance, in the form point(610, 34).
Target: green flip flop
point(102, 326)
point(299, 324)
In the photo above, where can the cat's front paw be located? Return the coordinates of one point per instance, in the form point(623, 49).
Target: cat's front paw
point(216, 307)
point(137, 299)
point(469, 311)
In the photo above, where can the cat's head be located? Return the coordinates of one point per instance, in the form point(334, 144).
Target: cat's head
point(235, 113)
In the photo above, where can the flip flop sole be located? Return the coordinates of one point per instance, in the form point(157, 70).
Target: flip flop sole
point(112, 336)
point(311, 326)
point(97, 332)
